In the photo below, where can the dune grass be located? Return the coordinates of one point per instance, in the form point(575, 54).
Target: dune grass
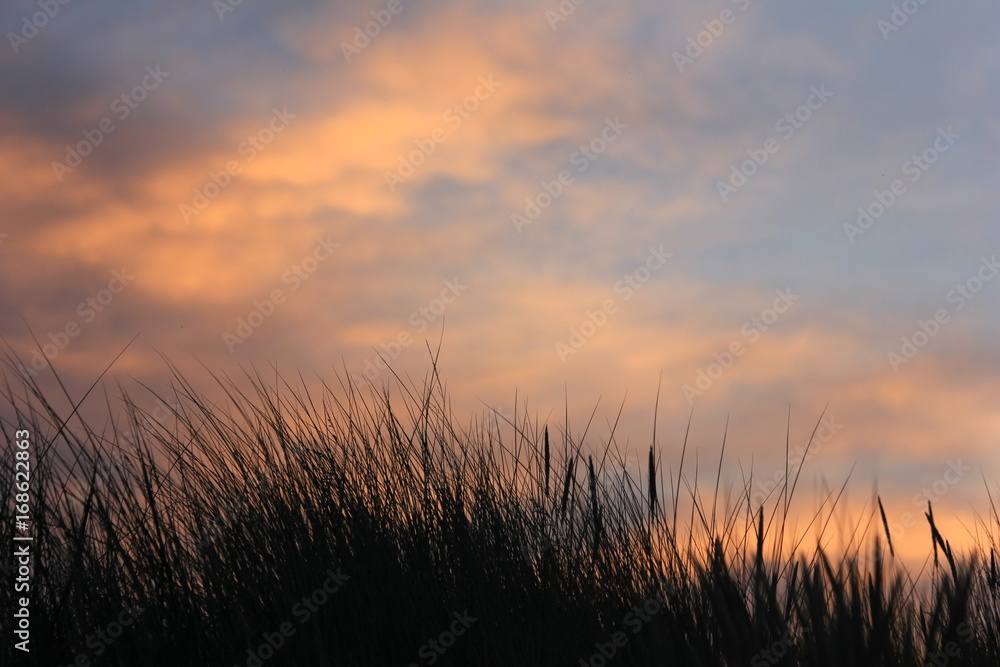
point(366, 527)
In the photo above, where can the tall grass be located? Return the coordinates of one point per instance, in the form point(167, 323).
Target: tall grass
point(217, 526)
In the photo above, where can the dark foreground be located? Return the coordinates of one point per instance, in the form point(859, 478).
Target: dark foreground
point(293, 529)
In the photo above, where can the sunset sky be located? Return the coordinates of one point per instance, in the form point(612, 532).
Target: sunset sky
point(758, 206)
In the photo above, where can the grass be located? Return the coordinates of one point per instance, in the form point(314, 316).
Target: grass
point(355, 527)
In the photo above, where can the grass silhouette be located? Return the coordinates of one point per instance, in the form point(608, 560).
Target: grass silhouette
point(368, 528)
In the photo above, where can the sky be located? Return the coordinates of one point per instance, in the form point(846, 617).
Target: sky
point(767, 212)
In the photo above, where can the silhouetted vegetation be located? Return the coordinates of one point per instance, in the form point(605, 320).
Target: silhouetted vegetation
point(360, 527)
